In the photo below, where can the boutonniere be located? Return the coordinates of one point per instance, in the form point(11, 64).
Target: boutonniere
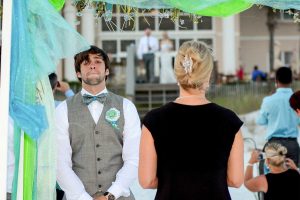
point(112, 116)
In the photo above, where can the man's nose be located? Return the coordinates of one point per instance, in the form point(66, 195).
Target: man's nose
point(92, 66)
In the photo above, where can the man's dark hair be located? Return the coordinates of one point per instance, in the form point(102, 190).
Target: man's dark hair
point(295, 100)
point(284, 75)
point(84, 56)
point(53, 80)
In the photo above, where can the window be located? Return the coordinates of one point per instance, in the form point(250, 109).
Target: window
point(108, 26)
point(183, 29)
point(183, 40)
point(185, 23)
point(209, 42)
point(127, 25)
point(125, 43)
point(109, 46)
point(166, 24)
point(286, 15)
point(146, 22)
point(205, 23)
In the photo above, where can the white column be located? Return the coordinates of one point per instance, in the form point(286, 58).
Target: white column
point(88, 25)
point(4, 92)
point(70, 16)
point(229, 46)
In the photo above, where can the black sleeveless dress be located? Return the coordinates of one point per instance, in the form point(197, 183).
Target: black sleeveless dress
point(193, 144)
point(285, 185)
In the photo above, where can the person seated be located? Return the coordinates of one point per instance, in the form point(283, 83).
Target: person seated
point(282, 182)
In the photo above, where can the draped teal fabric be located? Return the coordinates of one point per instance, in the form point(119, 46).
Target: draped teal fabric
point(40, 37)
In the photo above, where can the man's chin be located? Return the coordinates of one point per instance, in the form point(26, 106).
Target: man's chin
point(92, 81)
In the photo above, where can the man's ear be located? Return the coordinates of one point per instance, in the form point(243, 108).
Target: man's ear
point(78, 74)
point(298, 112)
point(107, 72)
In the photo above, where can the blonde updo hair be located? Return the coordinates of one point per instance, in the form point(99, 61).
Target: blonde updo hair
point(275, 152)
point(202, 66)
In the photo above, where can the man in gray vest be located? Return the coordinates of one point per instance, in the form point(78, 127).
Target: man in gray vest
point(98, 135)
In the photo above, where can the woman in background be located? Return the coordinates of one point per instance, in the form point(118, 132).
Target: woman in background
point(166, 71)
point(281, 182)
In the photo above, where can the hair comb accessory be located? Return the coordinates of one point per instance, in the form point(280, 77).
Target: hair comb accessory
point(187, 64)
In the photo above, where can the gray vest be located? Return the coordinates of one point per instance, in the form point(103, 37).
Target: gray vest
point(96, 148)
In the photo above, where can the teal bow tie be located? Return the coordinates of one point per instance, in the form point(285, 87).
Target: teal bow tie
point(87, 99)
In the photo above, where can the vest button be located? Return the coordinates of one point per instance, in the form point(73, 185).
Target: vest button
point(97, 145)
point(99, 186)
point(99, 172)
point(98, 159)
point(96, 132)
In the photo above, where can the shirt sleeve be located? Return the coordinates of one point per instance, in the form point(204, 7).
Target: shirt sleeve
point(130, 154)
point(234, 122)
point(69, 93)
point(66, 177)
point(263, 115)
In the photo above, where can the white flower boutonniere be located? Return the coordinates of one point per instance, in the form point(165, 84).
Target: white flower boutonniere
point(112, 116)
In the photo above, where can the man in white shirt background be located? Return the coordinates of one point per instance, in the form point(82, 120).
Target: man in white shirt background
point(98, 136)
point(148, 45)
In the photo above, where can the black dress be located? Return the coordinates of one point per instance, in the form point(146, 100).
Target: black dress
point(193, 144)
point(285, 185)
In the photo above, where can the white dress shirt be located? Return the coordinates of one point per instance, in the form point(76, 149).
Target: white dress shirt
point(143, 46)
point(66, 177)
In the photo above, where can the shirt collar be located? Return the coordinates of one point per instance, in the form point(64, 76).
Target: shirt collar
point(284, 90)
point(83, 91)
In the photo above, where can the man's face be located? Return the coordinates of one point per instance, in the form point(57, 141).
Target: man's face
point(93, 70)
point(147, 32)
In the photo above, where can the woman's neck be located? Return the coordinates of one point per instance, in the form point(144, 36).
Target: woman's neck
point(277, 170)
point(192, 97)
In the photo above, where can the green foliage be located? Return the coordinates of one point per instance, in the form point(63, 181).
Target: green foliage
point(240, 104)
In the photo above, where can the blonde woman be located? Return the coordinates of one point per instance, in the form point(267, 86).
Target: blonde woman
point(191, 148)
point(281, 182)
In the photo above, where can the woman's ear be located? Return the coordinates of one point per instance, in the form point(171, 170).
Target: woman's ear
point(298, 112)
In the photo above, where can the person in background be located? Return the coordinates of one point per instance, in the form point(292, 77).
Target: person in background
point(166, 71)
point(280, 119)
point(98, 135)
point(60, 86)
point(257, 75)
point(295, 102)
point(281, 182)
point(240, 74)
point(191, 148)
point(148, 45)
